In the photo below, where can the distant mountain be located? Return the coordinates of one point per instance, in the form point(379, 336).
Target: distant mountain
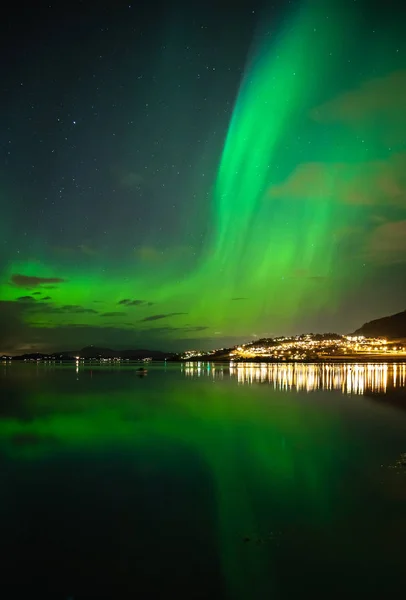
point(392, 327)
point(97, 352)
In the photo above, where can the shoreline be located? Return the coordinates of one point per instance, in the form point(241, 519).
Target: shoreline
point(326, 359)
point(351, 359)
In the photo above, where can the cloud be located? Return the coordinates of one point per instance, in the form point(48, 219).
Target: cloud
point(375, 109)
point(163, 316)
point(30, 281)
point(387, 243)
point(382, 96)
point(36, 293)
point(239, 298)
point(368, 183)
point(19, 335)
point(46, 298)
point(75, 308)
point(43, 307)
point(129, 302)
point(113, 314)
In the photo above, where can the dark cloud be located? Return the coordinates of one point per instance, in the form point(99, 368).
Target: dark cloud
point(239, 298)
point(163, 316)
point(75, 308)
point(30, 281)
point(46, 298)
point(113, 314)
point(129, 302)
point(17, 336)
point(36, 293)
point(41, 306)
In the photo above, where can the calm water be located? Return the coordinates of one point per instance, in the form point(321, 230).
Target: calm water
point(202, 482)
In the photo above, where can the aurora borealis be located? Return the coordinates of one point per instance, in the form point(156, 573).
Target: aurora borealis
point(201, 178)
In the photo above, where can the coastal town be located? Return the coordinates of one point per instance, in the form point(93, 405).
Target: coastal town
point(329, 346)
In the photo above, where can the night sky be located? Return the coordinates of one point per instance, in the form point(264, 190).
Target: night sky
point(184, 174)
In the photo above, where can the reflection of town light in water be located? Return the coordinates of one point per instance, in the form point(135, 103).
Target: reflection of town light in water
point(348, 378)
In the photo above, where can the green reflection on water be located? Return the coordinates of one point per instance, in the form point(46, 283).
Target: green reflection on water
point(269, 457)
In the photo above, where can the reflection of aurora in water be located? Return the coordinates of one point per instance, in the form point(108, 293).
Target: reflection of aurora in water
point(349, 378)
point(258, 458)
point(268, 461)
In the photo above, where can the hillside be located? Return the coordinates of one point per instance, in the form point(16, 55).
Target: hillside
point(392, 327)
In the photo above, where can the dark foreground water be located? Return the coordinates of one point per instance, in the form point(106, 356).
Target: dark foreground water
point(200, 482)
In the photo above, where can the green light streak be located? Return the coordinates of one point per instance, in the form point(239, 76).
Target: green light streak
point(262, 242)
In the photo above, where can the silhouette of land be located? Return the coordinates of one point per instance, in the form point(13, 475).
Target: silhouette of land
point(381, 339)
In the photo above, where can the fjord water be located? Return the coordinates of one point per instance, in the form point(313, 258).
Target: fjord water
point(198, 481)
